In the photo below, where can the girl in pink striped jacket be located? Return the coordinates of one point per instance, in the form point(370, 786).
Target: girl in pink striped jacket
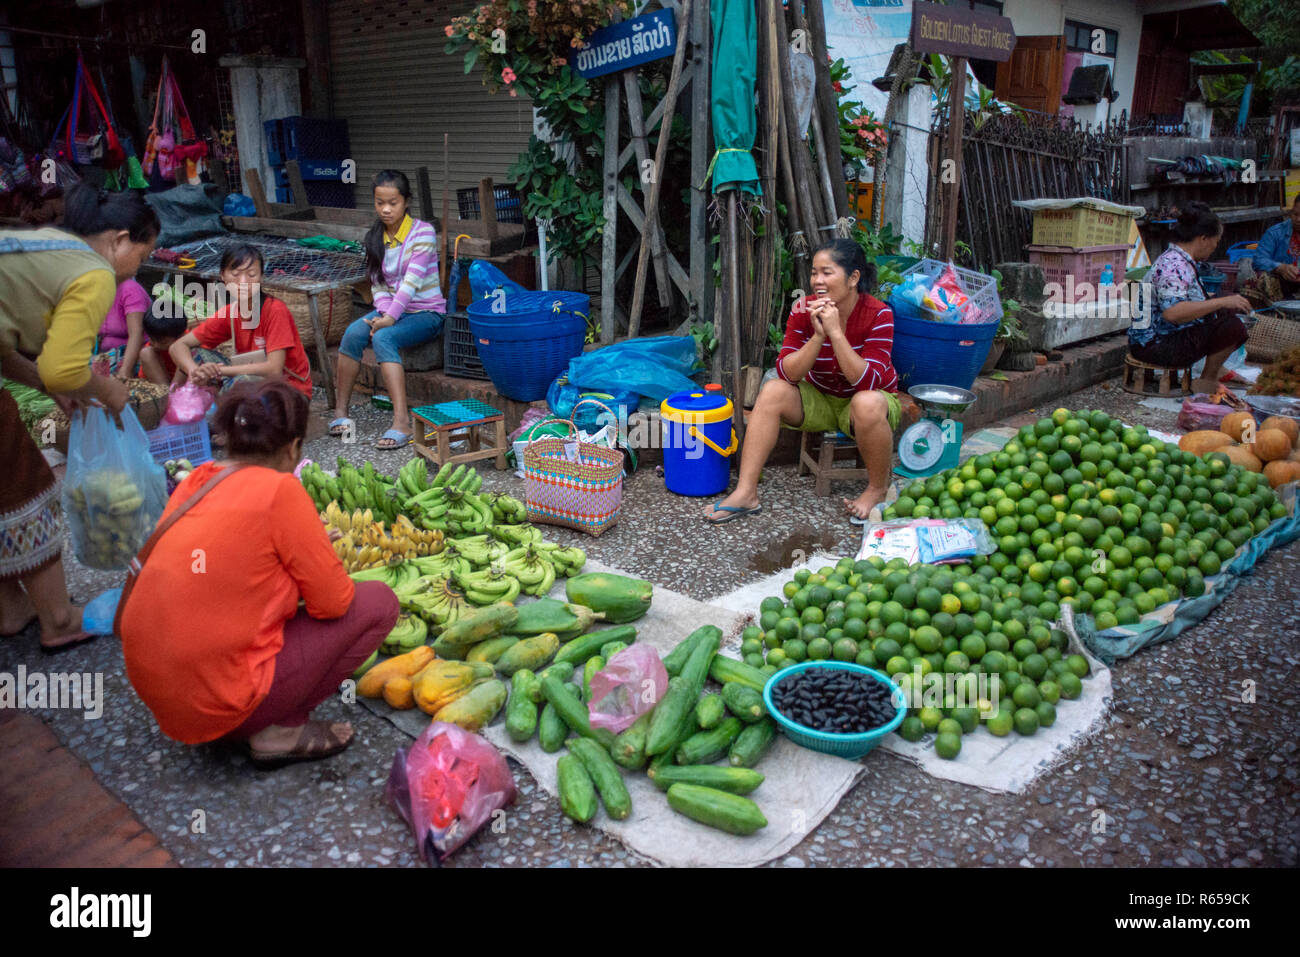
point(402, 260)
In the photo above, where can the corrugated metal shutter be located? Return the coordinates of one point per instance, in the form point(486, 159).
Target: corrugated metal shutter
point(399, 93)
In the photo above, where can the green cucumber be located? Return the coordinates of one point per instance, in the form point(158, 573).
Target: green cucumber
point(676, 658)
point(583, 647)
point(605, 774)
point(666, 720)
point(666, 759)
point(707, 746)
point(574, 712)
point(492, 649)
point(734, 780)
point(723, 670)
point(521, 712)
point(709, 711)
point(593, 665)
point(577, 790)
point(744, 702)
point(748, 749)
point(629, 746)
point(609, 650)
point(557, 669)
point(727, 812)
point(551, 728)
point(696, 669)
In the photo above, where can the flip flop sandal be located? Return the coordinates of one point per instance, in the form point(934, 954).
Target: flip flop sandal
point(733, 512)
point(339, 427)
point(399, 439)
point(315, 742)
point(78, 638)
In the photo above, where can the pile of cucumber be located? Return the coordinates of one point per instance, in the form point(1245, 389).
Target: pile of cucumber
point(676, 744)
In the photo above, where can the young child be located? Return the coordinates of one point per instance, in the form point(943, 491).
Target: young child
point(156, 363)
point(122, 334)
point(258, 323)
point(402, 262)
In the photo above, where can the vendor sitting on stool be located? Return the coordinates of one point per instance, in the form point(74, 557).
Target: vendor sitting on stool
point(835, 374)
point(1183, 324)
point(1277, 263)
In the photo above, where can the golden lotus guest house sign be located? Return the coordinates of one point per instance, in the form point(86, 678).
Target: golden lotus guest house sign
point(960, 32)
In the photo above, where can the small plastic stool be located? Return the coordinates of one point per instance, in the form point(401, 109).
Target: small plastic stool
point(447, 420)
point(833, 446)
point(1168, 382)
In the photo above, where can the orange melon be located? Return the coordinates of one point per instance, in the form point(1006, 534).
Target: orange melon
point(1203, 441)
point(1240, 455)
point(1287, 425)
point(1281, 471)
point(1271, 444)
point(1233, 424)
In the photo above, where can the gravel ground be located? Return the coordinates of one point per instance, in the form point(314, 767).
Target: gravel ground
point(1185, 772)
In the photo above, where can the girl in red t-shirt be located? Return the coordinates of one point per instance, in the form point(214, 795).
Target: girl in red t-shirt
point(255, 321)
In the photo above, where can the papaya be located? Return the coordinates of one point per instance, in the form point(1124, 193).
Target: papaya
point(399, 693)
point(620, 599)
point(466, 632)
point(532, 653)
point(492, 649)
point(476, 707)
point(559, 618)
point(371, 684)
point(441, 682)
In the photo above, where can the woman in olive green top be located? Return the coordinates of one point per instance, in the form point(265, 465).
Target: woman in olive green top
point(55, 287)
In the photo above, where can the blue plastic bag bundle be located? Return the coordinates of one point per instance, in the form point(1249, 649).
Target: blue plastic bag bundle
point(485, 279)
point(654, 367)
point(114, 491)
point(563, 397)
point(237, 204)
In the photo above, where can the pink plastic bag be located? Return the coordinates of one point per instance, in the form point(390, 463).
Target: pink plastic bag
point(1198, 412)
point(187, 404)
point(629, 686)
point(446, 786)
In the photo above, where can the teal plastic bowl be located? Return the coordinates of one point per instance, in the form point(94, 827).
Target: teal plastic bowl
point(850, 746)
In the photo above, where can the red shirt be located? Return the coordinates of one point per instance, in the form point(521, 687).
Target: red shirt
point(275, 329)
point(870, 333)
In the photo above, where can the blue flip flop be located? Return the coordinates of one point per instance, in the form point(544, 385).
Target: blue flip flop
point(733, 512)
point(342, 422)
point(400, 439)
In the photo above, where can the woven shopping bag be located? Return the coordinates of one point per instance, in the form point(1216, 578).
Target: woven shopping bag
point(585, 495)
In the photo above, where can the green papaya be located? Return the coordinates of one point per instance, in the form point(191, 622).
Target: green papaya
point(559, 618)
point(620, 599)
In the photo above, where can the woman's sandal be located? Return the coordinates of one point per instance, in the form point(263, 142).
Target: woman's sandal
point(316, 740)
point(74, 640)
point(342, 426)
point(396, 438)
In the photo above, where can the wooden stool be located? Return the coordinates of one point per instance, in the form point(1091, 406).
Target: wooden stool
point(1166, 381)
point(833, 445)
point(465, 417)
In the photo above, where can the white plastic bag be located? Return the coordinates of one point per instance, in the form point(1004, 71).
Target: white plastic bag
point(1234, 361)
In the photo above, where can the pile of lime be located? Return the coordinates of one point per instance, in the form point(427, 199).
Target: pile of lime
point(1083, 512)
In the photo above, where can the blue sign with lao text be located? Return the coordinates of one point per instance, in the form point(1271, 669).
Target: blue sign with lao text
point(627, 44)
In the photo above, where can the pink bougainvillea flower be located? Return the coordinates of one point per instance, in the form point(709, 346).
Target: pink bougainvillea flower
point(508, 75)
point(449, 29)
point(513, 92)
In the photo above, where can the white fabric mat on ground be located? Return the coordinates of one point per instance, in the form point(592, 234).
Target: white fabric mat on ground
point(800, 789)
point(995, 764)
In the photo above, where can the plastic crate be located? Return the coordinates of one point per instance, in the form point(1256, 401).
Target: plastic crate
point(1080, 226)
point(337, 195)
point(299, 137)
point(312, 171)
point(181, 442)
point(509, 207)
point(1086, 265)
point(459, 355)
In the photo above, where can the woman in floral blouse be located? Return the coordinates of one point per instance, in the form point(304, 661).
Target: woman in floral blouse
point(1182, 324)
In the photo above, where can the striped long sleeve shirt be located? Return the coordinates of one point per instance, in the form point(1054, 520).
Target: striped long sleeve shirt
point(410, 272)
point(870, 333)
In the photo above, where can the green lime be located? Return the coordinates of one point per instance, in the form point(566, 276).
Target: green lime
point(777, 656)
point(1050, 691)
point(819, 649)
point(1046, 713)
point(771, 603)
point(949, 726)
point(1034, 666)
point(754, 660)
point(1071, 686)
point(1078, 665)
point(968, 719)
point(948, 745)
point(1026, 695)
point(795, 649)
point(751, 646)
point(956, 663)
point(911, 729)
point(1026, 721)
point(930, 718)
point(846, 649)
point(1000, 724)
point(866, 657)
point(973, 647)
point(1023, 648)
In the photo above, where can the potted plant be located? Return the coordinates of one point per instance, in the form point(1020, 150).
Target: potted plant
point(1011, 334)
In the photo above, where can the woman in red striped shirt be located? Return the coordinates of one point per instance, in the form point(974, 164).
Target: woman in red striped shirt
point(834, 374)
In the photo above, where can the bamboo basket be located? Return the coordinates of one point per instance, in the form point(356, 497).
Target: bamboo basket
point(1271, 336)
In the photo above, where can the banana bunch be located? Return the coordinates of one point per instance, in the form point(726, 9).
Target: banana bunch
point(506, 509)
point(365, 543)
point(535, 572)
point(413, 478)
point(479, 550)
point(516, 535)
point(409, 632)
point(352, 488)
point(446, 564)
point(490, 585)
point(397, 577)
point(439, 602)
point(567, 561)
point(322, 488)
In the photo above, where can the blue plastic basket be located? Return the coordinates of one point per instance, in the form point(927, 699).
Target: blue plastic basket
point(1241, 251)
point(181, 442)
point(526, 339)
point(940, 352)
point(850, 746)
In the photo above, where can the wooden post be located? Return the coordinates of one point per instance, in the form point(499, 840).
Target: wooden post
point(487, 201)
point(255, 189)
point(299, 188)
point(701, 105)
point(609, 236)
point(825, 103)
point(661, 154)
point(956, 120)
point(636, 119)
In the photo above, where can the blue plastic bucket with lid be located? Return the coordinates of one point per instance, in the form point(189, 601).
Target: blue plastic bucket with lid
point(699, 441)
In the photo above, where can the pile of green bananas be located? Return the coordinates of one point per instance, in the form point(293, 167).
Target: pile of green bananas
point(435, 599)
point(111, 512)
point(409, 632)
point(352, 488)
point(537, 565)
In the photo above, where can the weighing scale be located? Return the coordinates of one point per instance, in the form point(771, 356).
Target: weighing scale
point(930, 446)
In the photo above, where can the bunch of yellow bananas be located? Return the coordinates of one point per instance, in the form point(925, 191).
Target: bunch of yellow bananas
point(365, 543)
